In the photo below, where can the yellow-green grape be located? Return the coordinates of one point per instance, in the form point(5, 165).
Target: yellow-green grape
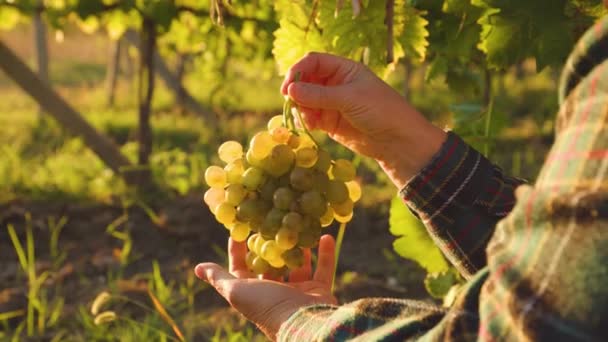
point(259, 265)
point(215, 176)
point(258, 243)
point(268, 188)
point(283, 197)
point(274, 122)
point(251, 242)
point(277, 272)
point(354, 190)
point(256, 224)
point(306, 239)
point(249, 259)
point(343, 219)
point(261, 144)
point(253, 161)
point(279, 161)
point(323, 161)
point(337, 192)
point(301, 178)
point(280, 134)
point(328, 217)
point(320, 181)
point(293, 221)
point(270, 250)
point(272, 223)
point(294, 258)
point(213, 197)
point(277, 263)
point(294, 141)
point(239, 232)
point(286, 238)
point(225, 213)
point(234, 171)
point(235, 194)
point(230, 151)
point(306, 157)
point(312, 203)
point(343, 170)
point(305, 141)
point(344, 208)
point(230, 225)
point(253, 178)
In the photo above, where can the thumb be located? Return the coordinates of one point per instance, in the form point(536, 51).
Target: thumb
point(317, 96)
point(215, 275)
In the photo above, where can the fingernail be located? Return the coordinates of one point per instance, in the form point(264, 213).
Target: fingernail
point(199, 270)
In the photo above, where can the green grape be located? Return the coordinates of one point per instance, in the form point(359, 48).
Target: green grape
point(234, 171)
point(261, 144)
point(305, 141)
point(328, 217)
point(251, 242)
point(239, 232)
point(215, 176)
point(343, 219)
point(343, 170)
point(323, 161)
point(247, 210)
point(277, 263)
point(225, 213)
point(280, 134)
point(235, 194)
point(337, 192)
point(283, 197)
point(274, 122)
point(270, 250)
point(294, 141)
point(253, 178)
point(279, 161)
point(230, 151)
point(354, 190)
point(286, 238)
point(256, 223)
point(301, 179)
point(321, 181)
point(213, 197)
point(312, 203)
point(293, 221)
point(253, 161)
point(343, 209)
point(249, 259)
point(294, 258)
point(230, 225)
point(284, 180)
point(306, 239)
point(259, 265)
point(272, 222)
point(268, 188)
point(257, 246)
point(306, 157)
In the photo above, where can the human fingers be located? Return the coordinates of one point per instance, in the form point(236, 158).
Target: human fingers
point(315, 65)
point(216, 276)
point(237, 252)
point(319, 96)
point(326, 261)
point(303, 273)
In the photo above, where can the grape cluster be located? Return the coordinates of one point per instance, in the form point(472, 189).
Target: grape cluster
point(284, 189)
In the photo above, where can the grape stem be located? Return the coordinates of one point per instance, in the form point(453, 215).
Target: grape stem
point(338, 247)
point(288, 118)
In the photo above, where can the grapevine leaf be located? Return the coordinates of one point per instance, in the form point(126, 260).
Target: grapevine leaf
point(439, 284)
point(410, 29)
point(438, 67)
point(413, 241)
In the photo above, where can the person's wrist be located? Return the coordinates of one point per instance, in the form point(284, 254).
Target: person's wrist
point(410, 151)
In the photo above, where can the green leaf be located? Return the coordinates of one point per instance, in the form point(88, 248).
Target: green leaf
point(439, 284)
point(410, 30)
point(413, 240)
point(438, 67)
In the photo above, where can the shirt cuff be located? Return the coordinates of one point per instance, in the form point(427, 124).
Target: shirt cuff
point(305, 323)
point(455, 175)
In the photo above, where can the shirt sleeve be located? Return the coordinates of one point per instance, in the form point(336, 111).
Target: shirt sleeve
point(460, 196)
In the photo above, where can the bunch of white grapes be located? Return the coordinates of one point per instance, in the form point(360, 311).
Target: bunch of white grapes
point(284, 190)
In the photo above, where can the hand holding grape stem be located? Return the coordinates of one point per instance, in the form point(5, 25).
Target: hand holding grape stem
point(269, 303)
point(360, 111)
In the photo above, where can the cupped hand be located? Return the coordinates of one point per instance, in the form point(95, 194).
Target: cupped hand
point(266, 302)
point(362, 112)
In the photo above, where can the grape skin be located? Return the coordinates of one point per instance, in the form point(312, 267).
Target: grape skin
point(215, 176)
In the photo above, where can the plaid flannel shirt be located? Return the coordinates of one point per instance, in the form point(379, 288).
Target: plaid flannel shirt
point(535, 257)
